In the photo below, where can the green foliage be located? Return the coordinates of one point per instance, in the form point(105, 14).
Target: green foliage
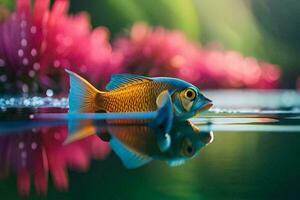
point(117, 15)
point(7, 3)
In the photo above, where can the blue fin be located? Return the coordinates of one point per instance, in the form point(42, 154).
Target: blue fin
point(164, 142)
point(164, 120)
point(80, 133)
point(121, 80)
point(165, 111)
point(82, 94)
point(174, 163)
point(81, 100)
point(129, 158)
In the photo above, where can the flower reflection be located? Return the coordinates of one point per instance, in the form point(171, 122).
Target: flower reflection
point(159, 52)
point(36, 44)
point(39, 152)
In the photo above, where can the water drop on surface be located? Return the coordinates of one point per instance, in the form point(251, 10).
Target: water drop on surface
point(26, 102)
point(31, 73)
point(33, 145)
point(25, 90)
point(20, 53)
point(56, 63)
point(24, 42)
point(3, 78)
point(23, 24)
point(2, 62)
point(24, 154)
point(33, 29)
point(21, 145)
point(25, 61)
point(49, 93)
point(31, 116)
point(33, 52)
point(36, 66)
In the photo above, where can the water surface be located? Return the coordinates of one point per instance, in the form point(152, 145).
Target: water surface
point(254, 154)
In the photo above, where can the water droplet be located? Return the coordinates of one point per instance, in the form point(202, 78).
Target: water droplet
point(25, 61)
point(20, 53)
point(3, 78)
point(31, 73)
point(21, 145)
point(36, 66)
point(33, 145)
point(33, 52)
point(24, 42)
point(2, 62)
point(24, 154)
point(33, 29)
point(25, 90)
point(31, 116)
point(49, 93)
point(23, 24)
point(56, 63)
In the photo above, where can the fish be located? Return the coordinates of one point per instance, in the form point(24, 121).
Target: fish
point(138, 145)
point(136, 93)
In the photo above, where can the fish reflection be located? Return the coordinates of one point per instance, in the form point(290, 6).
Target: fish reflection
point(40, 152)
point(138, 145)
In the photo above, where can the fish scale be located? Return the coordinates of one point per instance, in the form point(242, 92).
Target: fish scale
point(140, 138)
point(135, 98)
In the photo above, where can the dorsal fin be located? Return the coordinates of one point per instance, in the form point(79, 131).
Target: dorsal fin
point(123, 80)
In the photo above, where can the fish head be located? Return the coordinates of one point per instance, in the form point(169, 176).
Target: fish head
point(189, 101)
point(187, 141)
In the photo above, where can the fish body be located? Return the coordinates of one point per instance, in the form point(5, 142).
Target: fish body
point(138, 145)
point(134, 93)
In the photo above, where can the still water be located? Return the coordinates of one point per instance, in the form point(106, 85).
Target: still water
point(246, 147)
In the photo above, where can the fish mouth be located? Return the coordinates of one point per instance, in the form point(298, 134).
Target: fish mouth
point(205, 107)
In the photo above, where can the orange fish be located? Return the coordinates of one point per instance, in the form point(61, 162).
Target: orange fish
point(135, 93)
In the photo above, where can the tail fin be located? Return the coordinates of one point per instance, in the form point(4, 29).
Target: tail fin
point(82, 97)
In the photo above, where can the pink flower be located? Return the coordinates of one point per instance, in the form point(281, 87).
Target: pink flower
point(36, 44)
point(40, 152)
point(159, 52)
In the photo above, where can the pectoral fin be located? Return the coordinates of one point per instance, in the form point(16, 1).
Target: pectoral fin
point(164, 117)
point(164, 120)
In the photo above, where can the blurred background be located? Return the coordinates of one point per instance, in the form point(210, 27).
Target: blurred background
point(265, 29)
point(262, 29)
point(215, 44)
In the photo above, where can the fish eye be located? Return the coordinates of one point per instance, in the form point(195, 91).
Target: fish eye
point(188, 149)
point(190, 94)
